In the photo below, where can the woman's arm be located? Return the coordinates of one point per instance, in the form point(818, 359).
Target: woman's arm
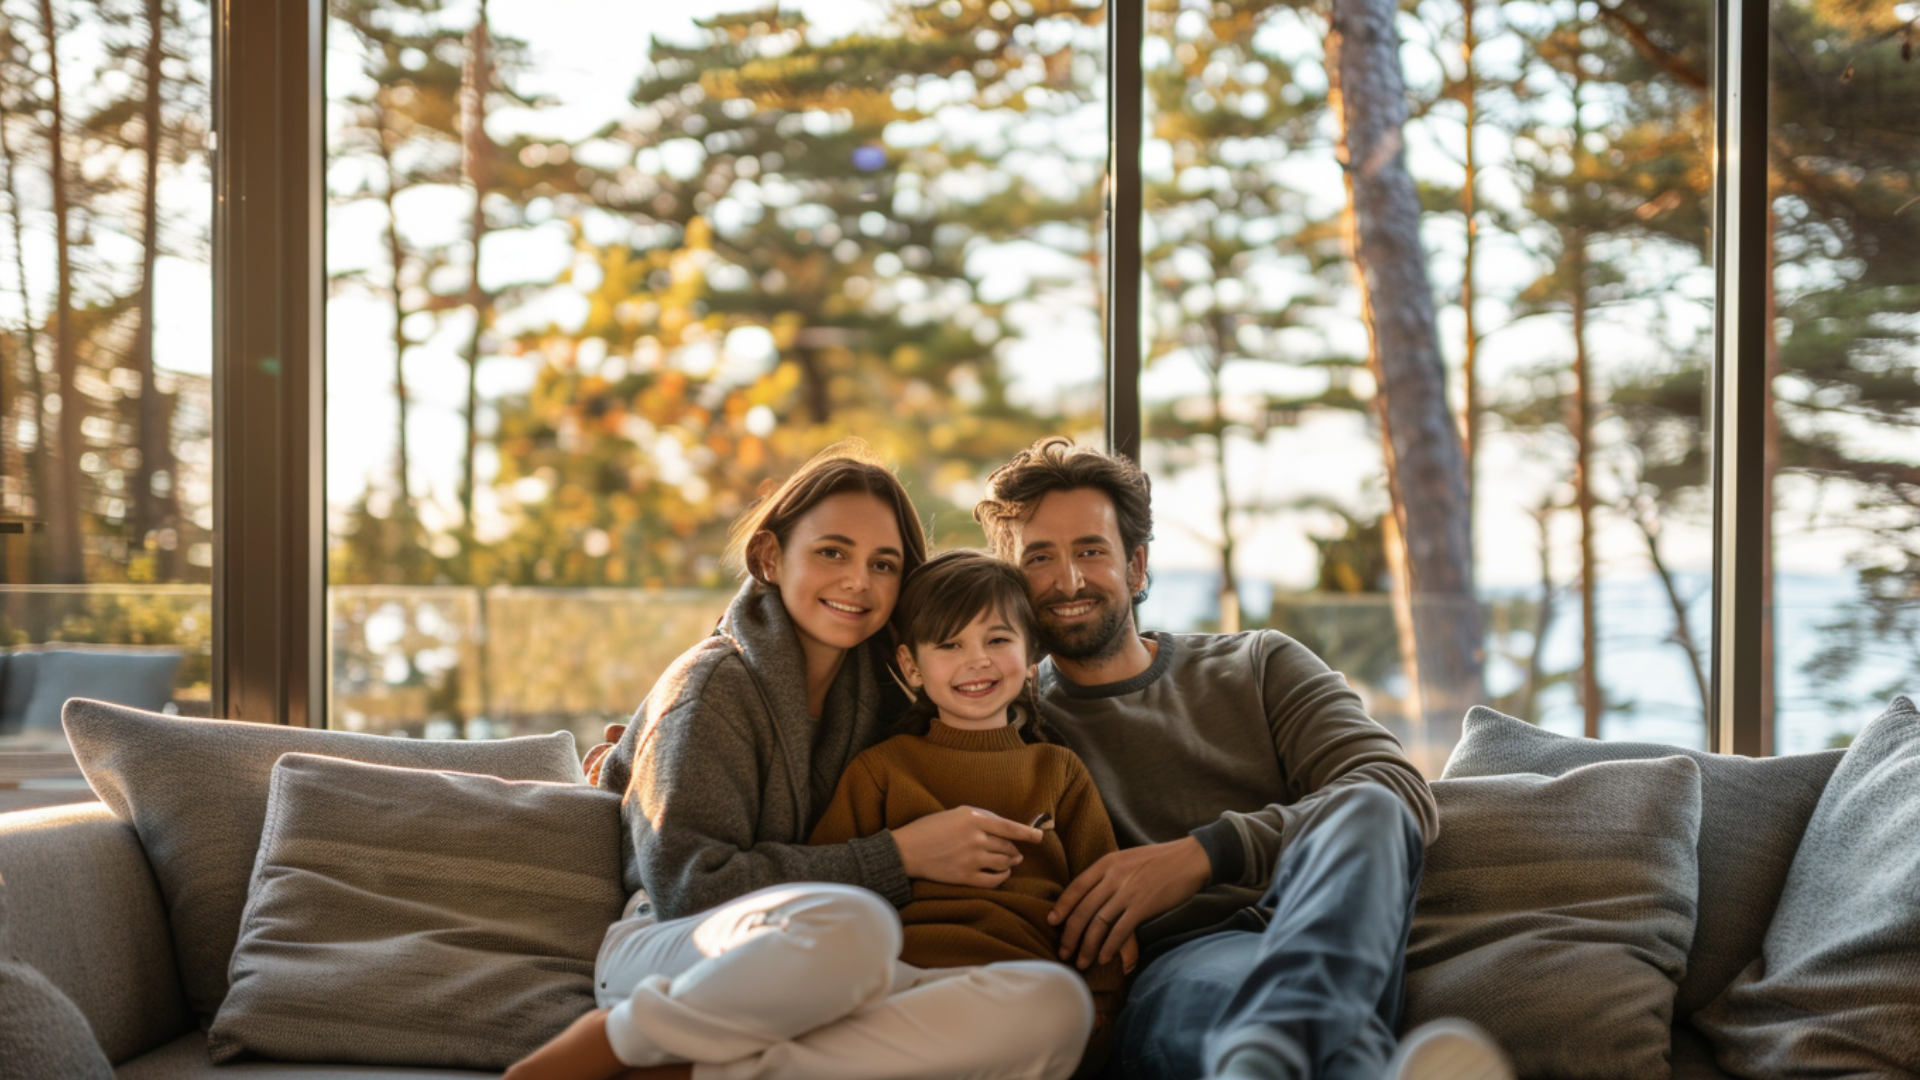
point(701, 833)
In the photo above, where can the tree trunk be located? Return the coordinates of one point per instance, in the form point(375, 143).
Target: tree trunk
point(67, 561)
point(1543, 618)
point(1229, 597)
point(1426, 468)
point(154, 506)
point(1470, 411)
point(1592, 703)
point(39, 463)
point(475, 152)
point(396, 254)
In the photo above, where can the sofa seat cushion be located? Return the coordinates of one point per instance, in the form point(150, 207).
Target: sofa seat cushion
point(186, 1059)
point(1556, 913)
point(196, 793)
point(412, 917)
point(1752, 812)
point(1836, 991)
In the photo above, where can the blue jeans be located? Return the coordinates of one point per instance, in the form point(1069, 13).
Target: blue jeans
point(1321, 985)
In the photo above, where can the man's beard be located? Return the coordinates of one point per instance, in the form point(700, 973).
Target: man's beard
point(1086, 642)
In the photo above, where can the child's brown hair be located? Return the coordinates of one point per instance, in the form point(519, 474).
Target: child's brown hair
point(946, 593)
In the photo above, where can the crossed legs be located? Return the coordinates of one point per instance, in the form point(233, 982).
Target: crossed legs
point(804, 982)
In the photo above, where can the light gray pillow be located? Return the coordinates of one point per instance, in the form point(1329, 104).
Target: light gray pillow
point(195, 792)
point(1836, 991)
point(408, 917)
point(1752, 812)
point(137, 678)
point(1556, 913)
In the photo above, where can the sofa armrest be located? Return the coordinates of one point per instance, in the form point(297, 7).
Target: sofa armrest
point(82, 907)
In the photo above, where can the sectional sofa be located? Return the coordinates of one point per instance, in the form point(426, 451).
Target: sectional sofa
point(307, 904)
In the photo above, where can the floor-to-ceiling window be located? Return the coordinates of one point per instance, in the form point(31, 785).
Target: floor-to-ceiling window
point(106, 353)
point(1506, 293)
point(1842, 439)
point(1432, 392)
point(599, 273)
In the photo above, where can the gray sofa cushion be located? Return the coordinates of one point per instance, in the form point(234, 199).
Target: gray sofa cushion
point(86, 913)
point(138, 678)
point(42, 1034)
point(408, 917)
point(1836, 991)
point(1752, 813)
point(1556, 913)
point(196, 793)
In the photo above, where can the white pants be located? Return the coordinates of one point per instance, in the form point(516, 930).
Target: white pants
point(804, 982)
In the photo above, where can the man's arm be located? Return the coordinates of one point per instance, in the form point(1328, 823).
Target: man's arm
point(1324, 741)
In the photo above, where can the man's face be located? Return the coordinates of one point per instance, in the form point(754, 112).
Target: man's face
point(1080, 577)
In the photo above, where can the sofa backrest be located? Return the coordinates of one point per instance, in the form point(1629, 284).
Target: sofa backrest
point(82, 907)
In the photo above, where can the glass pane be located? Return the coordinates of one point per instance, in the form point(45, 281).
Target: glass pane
point(1843, 442)
point(1528, 308)
point(106, 513)
point(700, 261)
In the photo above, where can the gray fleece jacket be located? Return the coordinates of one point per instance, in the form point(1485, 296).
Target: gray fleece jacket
point(724, 775)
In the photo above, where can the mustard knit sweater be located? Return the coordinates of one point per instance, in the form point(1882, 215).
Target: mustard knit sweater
point(910, 776)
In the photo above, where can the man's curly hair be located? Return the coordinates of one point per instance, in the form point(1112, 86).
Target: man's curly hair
point(1056, 463)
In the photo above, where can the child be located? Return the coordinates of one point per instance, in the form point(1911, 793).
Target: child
point(973, 738)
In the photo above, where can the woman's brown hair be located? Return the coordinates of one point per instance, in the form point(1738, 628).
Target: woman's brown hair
point(847, 467)
point(938, 600)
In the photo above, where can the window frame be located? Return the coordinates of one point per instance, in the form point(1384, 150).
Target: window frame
point(269, 636)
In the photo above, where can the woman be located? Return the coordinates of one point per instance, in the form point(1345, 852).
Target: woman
point(745, 950)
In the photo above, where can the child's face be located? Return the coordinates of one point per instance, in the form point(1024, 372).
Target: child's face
point(973, 676)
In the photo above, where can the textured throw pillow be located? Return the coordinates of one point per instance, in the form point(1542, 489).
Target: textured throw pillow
point(196, 792)
point(42, 1033)
point(1836, 991)
point(1752, 811)
point(1556, 914)
point(407, 917)
point(137, 678)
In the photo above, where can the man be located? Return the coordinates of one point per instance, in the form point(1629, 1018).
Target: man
point(1271, 833)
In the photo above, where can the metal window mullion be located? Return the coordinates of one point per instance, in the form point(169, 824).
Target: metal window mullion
point(1126, 28)
point(269, 581)
point(1740, 375)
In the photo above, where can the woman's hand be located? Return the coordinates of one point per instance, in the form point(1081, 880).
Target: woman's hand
point(597, 754)
point(962, 846)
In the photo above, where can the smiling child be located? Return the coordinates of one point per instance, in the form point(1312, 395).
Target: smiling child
point(974, 739)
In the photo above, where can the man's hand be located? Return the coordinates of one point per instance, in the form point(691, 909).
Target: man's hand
point(597, 755)
point(1110, 899)
point(962, 846)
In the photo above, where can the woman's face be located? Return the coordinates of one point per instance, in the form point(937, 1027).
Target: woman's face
point(839, 571)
